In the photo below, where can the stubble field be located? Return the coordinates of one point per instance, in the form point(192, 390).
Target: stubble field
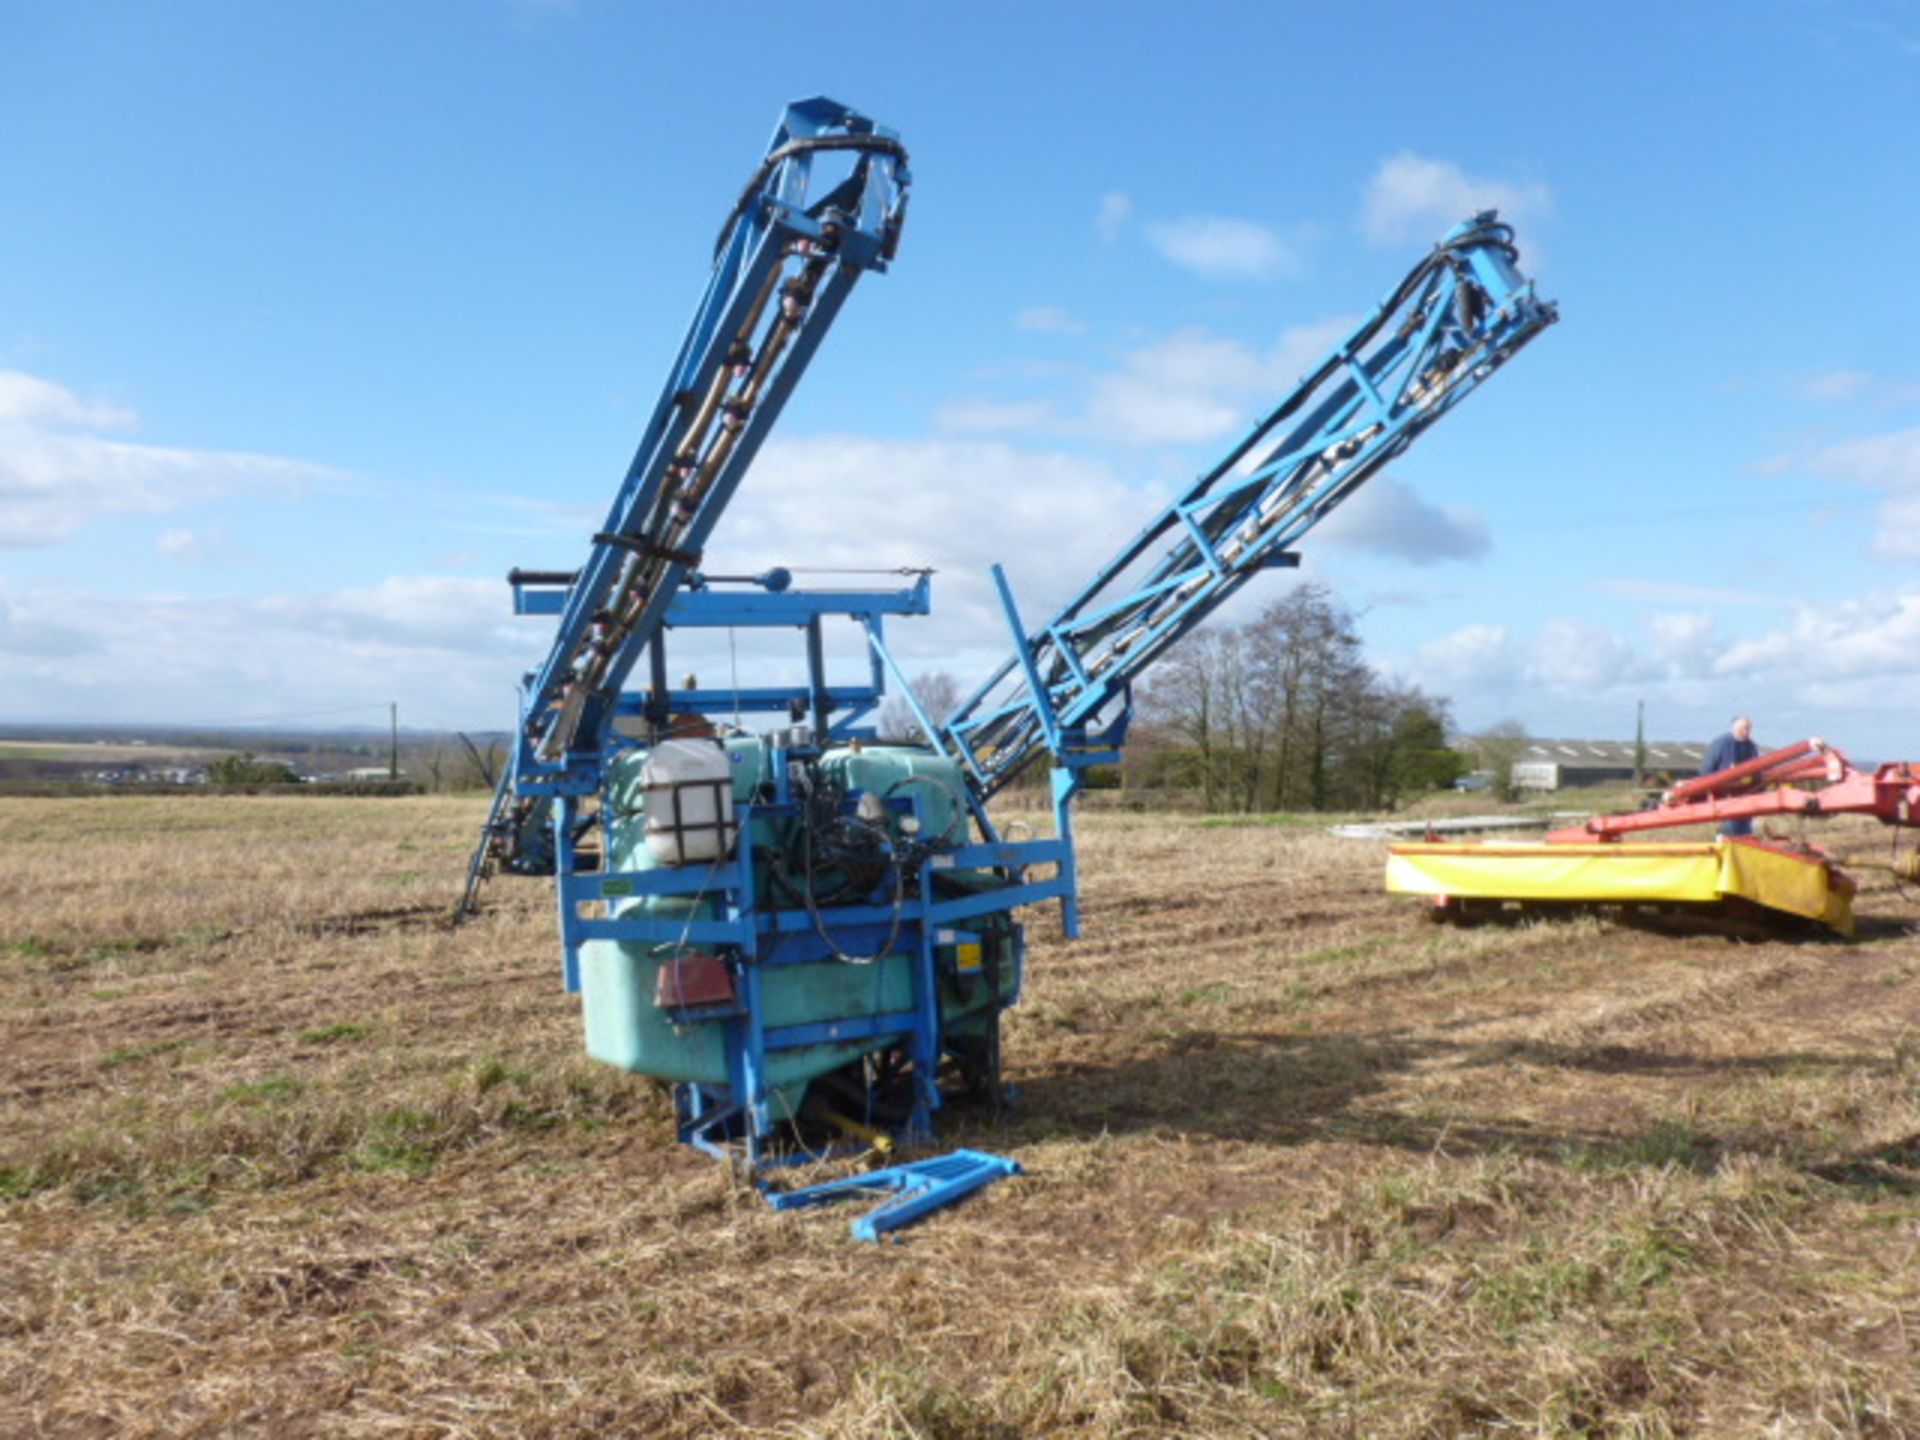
point(280, 1154)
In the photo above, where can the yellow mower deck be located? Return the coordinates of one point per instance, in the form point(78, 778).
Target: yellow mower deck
point(1649, 873)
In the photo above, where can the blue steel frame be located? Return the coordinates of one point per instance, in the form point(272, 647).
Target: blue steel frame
point(702, 606)
point(1456, 318)
point(754, 939)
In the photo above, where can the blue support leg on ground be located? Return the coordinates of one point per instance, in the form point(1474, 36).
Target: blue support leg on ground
point(920, 1188)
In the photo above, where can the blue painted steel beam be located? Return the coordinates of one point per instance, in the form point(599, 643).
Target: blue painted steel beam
point(1456, 318)
point(715, 609)
point(852, 923)
point(759, 699)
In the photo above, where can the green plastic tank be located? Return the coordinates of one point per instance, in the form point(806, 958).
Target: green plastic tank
point(618, 978)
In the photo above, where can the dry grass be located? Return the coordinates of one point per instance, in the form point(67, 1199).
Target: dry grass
point(280, 1155)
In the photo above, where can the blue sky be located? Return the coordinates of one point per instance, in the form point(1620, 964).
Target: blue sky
point(315, 319)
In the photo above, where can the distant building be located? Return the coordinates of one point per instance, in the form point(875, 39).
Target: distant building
point(1565, 764)
point(371, 772)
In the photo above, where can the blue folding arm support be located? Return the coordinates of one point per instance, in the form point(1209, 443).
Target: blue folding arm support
point(919, 1188)
point(1459, 315)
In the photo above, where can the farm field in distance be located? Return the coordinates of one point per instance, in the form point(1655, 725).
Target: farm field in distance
point(280, 1153)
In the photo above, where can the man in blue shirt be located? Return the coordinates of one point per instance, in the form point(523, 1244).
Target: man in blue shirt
point(1736, 747)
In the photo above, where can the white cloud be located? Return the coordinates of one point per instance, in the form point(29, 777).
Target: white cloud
point(1573, 658)
point(1847, 670)
point(1582, 658)
point(1387, 517)
point(1050, 517)
point(1686, 642)
point(1891, 463)
point(30, 630)
point(1856, 385)
point(197, 547)
point(1414, 198)
point(56, 476)
point(1835, 385)
point(1223, 248)
point(1193, 386)
point(442, 610)
point(1852, 639)
point(1844, 708)
point(29, 400)
point(995, 417)
point(1116, 208)
point(1181, 390)
point(1473, 657)
point(447, 649)
point(1048, 320)
point(1898, 537)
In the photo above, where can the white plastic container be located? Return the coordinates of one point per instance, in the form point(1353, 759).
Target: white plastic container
point(688, 786)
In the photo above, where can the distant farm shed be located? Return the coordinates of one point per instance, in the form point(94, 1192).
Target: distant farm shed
point(1564, 764)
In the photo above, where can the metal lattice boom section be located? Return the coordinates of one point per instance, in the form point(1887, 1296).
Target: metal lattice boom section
point(1459, 315)
point(782, 269)
point(790, 251)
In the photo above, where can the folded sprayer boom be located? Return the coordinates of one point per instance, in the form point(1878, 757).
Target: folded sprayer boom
point(1458, 316)
point(785, 260)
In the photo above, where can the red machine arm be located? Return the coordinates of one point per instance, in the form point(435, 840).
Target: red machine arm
point(1807, 778)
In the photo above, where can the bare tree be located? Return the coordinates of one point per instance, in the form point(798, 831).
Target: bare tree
point(1311, 676)
point(482, 767)
point(938, 694)
point(1182, 698)
point(1285, 711)
point(1400, 747)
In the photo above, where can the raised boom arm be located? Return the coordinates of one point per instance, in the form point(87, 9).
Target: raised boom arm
point(782, 268)
point(1456, 318)
point(784, 263)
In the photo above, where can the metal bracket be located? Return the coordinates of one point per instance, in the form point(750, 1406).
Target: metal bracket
point(642, 545)
point(921, 1187)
